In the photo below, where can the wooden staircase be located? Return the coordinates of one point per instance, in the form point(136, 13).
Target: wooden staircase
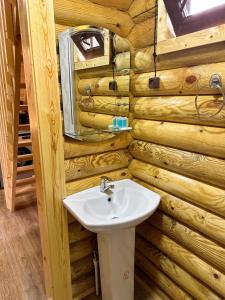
point(15, 136)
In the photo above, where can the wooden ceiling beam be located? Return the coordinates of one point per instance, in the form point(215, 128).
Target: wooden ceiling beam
point(85, 12)
point(118, 4)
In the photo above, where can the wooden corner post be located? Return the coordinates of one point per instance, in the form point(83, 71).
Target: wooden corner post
point(40, 62)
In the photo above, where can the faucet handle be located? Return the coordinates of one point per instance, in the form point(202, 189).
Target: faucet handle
point(106, 178)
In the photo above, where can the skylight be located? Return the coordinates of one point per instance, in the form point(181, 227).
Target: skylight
point(197, 6)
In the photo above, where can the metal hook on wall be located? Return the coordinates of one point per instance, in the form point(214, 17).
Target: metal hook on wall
point(214, 83)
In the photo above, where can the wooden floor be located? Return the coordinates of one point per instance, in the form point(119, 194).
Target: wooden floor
point(21, 274)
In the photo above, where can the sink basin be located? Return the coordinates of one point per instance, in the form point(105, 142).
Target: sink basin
point(114, 218)
point(129, 205)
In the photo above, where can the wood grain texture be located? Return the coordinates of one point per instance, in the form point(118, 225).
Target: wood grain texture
point(170, 219)
point(81, 267)
point(142, 59)
point(198, 166)
point(74, 13)
point(122, 61)
point(198, 244)
point(160, 279)
point(118, 4)
point(145, 30)
point(96, 121)
point(90, 165)
point(183, 279)
point(194, 191)
point(175, 81)
point(84, 286)
point(195, 138)
point(40, 61)
point(100, 86)
point(105, 105)
point(77, 232)
point(152, 290)
point(120, 44)
point(203, 37)
point(74, 148)
point(141, 10)
point(20, 254)
point(82, 249)
point(80, 185)
point(179, 109)
point(187, 260)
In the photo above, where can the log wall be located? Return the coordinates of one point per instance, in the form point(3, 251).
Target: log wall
point(181, 248)
point(85, 162)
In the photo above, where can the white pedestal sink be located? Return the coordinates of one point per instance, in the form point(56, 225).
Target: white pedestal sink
point(114, 219)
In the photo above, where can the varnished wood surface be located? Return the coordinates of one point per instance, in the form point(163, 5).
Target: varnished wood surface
point(139, 294)
point(21, 273)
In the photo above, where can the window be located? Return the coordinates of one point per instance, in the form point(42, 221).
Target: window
point(193, 15)
point(89, 42)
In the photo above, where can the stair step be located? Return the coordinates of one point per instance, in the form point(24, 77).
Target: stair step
point(22, 85)
point(24, 143)
point(25, 169)
point(24, 127)
point(25, 189)
point(24, 157)
point(24, 107)
point(25, 181)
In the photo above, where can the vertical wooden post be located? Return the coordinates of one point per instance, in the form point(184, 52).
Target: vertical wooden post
point(40, 61)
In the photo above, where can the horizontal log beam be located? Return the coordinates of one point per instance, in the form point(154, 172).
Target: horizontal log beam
point(142, 59)
point(179, 109)
point(82, 248)
point(96, 121)
point(145, 30)
point(120, 44)
point(194, 138)
point(197, 244)
point(122, 61)
point(140, 10)
point(74, 13)
point(80, 185)
point(118, 4)
point(182, 278)
point(187, 260)
point(73, 148)
point(194, 191)
point(77, 232)
point(160, 279)
point(105, 105)
point(185, 81)
point(83, 286)
point(149, 286)
point(198, 166)
point(82, 267)
point(100, 86)
point(90, 165)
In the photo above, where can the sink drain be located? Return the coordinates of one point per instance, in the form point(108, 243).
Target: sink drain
point(115, 218)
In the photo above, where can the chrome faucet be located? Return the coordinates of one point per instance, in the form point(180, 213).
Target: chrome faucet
point(105, 187)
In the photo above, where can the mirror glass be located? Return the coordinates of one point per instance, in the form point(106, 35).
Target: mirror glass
point(95, 82)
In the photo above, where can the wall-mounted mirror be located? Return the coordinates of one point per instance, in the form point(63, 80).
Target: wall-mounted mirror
point(95, 82)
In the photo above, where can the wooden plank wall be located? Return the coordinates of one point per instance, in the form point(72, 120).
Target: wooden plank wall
point(181, 157)
point(7, 79)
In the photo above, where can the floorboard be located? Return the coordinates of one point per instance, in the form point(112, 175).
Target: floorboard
point(21, 274)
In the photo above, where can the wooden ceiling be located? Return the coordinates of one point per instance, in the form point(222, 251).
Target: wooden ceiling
point(118, 4)
point(80, 12)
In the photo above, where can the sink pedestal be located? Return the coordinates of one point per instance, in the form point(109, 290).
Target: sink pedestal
point(116, 259)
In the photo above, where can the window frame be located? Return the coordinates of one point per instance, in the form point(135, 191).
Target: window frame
point(168, 43)
point(183, 24)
